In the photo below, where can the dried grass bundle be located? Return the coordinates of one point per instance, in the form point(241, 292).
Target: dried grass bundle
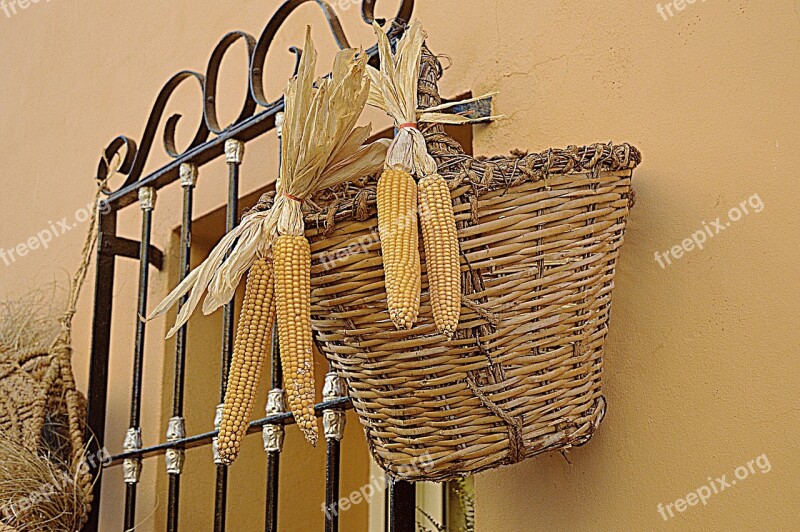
point(31, 322)
point(321, 149)
point(36, 493)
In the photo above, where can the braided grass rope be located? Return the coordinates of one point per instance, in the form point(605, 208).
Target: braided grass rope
point(540, 235)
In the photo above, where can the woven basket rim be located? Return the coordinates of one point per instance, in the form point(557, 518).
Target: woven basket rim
point(358, 200)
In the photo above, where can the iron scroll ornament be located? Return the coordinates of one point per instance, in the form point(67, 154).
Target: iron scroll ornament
point(132, 157)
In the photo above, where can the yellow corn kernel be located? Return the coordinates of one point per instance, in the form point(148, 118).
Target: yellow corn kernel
point(292, 256)
point(397, 223)
point(442, 262)
point(252, 341)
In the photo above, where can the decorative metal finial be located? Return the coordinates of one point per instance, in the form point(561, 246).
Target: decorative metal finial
point(279, 118)
point(333, 421)
point(215, 440)
point(147, 198)
point(132, 467)
point(188, 173)
point(176, 430)
point(273, 434)
point(234, 151)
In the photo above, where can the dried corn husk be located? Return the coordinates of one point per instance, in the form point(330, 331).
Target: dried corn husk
point(321, 148)
point(319, 131)
point(394, 90)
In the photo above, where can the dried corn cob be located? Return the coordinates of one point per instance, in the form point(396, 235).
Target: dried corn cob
point(252, 340)
point(440, 237)
point(292, 256)
point(397, 223)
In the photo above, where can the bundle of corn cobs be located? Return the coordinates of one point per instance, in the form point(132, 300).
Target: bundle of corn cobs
point(321, 149)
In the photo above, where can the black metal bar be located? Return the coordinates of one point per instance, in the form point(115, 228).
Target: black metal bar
point(220, 498)
point(125, 247)
point(388, 481)
point(233, 151)
point(180, 337)
point(174, 495)
point(275, 386)
point(130, 506)
point(273, 475)
point(188, 180)
point(276, 370)
point(199, 440)
point(138, 357)
point(402, 506)
point(147, 199)
point(332, 485)
point(101, 341)
point(273, 456)
point(333, 422)
point(231, 221)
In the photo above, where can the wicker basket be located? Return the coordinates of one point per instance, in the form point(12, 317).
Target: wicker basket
point(540, 235)
point(41, 408)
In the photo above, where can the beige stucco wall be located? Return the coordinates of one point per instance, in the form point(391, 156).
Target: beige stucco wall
point(702, 364)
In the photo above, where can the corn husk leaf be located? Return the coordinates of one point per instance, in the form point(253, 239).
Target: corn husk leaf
point(394, 90)
point(318, 129)
point(433, 115)
point(321, 148)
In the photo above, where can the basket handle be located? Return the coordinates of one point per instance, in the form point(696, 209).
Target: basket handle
point(430, 71)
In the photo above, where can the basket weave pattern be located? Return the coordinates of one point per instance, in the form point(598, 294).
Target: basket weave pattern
point(539, 235)
point(41, 408)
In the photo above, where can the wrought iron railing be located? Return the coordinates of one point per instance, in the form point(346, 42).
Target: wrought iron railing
point(211, 141)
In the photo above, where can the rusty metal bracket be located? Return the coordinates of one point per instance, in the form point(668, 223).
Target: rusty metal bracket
point(480, 110)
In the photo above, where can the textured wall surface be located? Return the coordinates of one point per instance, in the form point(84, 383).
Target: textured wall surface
point(702, 356)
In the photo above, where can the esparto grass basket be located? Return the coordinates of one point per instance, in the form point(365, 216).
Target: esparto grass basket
point(540, 234)
point(41, 408)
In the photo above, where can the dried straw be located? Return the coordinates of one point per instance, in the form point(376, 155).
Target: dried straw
point(36, 493)
point(321, 149)
point(31, 322)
